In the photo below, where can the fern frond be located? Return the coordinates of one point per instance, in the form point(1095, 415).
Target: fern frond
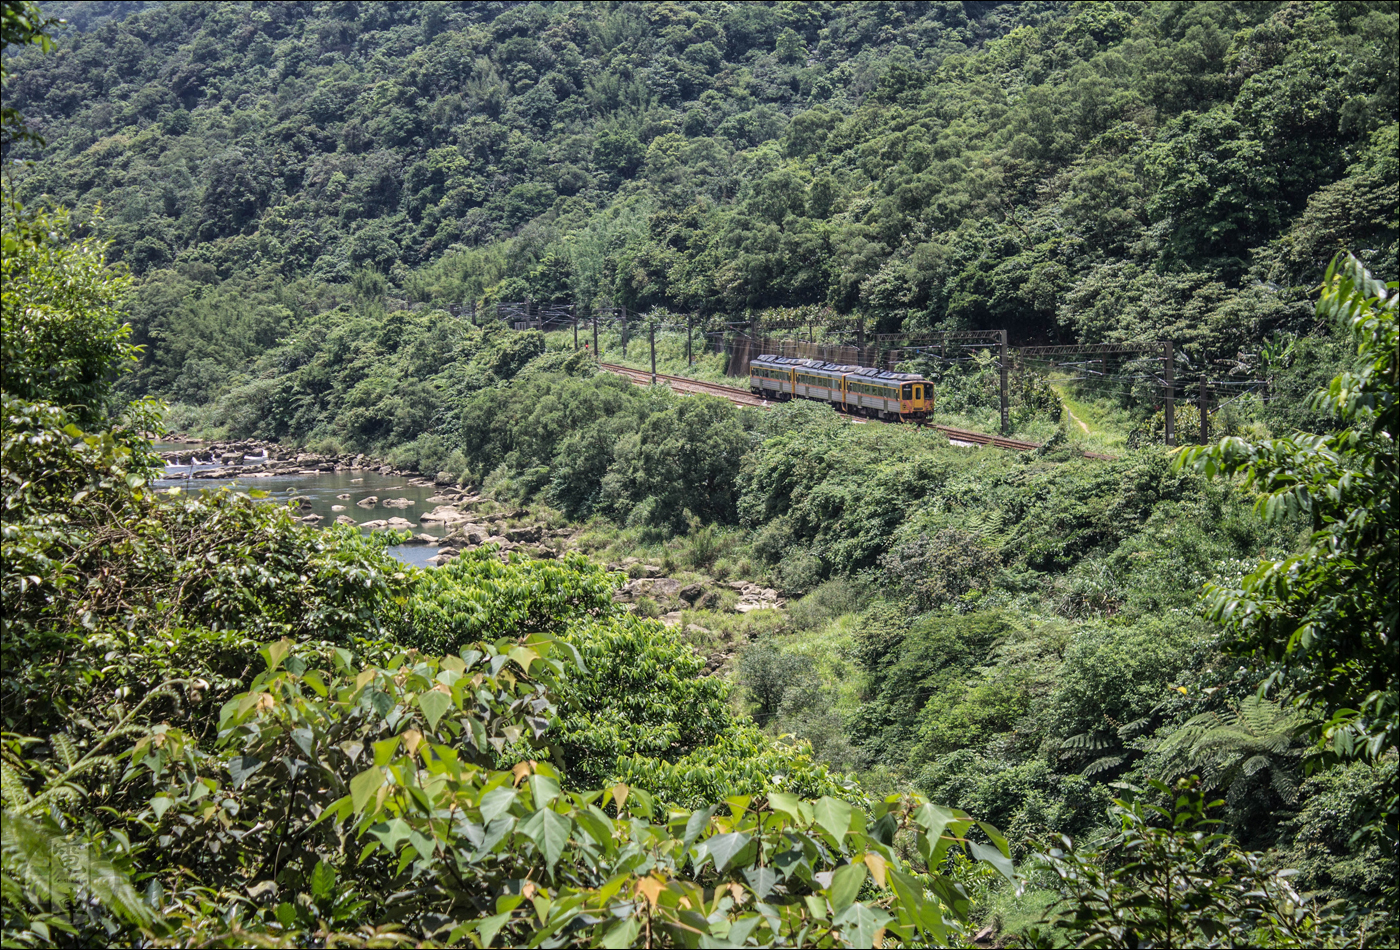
point(1130, 729)
point(11, 788)
point(1283, 782)
point(1102, 765)
point(1088, 741)
point(55, 869)
point(31, 853)
point(1255, 763)
point(64, 749)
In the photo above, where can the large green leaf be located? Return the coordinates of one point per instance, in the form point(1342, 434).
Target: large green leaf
point(845, 885)
point(434, 704)
point(833, 816)
point(723, 848)
point(364, 785)
point(859, 924)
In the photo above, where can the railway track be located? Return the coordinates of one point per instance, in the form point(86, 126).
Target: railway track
point(681, 384)
point(743, 397)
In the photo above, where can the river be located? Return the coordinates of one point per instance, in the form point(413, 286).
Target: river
point(323, 492)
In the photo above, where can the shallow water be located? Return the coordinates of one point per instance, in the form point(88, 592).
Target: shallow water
point(322, 492)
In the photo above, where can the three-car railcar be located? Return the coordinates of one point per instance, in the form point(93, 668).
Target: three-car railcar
point(870, 392)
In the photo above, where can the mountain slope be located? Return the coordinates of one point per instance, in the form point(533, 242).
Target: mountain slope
point(1073, 172)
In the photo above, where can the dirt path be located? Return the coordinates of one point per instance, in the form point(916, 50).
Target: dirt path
point(1076, 420)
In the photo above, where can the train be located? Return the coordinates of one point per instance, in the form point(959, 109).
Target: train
point(863, 390)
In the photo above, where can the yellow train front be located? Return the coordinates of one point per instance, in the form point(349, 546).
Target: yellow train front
point(863, 390)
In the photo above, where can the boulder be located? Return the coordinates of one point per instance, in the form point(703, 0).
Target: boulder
point(527, 535)
point(396, 503)
point(444, 514)
point(311, 519)
point(368, 502)
point(374, 525)
point(690, 593)
point(450, 552)
point(444, 478)
point(672, 618)
point(344, 497)
point(337, 507)
point(344, 519)
point(398, 524)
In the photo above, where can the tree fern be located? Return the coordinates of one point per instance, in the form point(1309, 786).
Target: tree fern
point(1225, 748)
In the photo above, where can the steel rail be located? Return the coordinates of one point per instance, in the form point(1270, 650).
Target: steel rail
point(743, 397)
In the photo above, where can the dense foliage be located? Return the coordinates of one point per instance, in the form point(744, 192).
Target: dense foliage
point(1076, 171)
point(223, 727)
point(212, 736)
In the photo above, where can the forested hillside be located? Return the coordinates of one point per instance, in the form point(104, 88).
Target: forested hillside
point(1074, 172)
point(727, 676)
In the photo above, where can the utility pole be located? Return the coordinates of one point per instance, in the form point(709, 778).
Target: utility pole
point(575, 309)
point(1005, 393)
point(624, 333)
point(1205, 415)
point(596, 354)
point(1171, 395)
point(651, 338)
point(689, 331)
point(755, 347)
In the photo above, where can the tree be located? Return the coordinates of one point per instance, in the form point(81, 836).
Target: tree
point(62, 337)
point(1172, 882)
point(22, 23)
point(1327, 614)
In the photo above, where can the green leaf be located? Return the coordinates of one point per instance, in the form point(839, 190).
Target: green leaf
point(322, 880)
point(786, 803)
point(496, 802)
point(696, 824)
point(761, 880)
point(491, 926)
point(434, 704)
point(845, 885)
point(384, 750)
point(860, 923)
point(242, 767)
point(314, 680)
point(723, 848)
point(276, 652)
point(622, 935)
point(550, 831)
point(160, 805)
point(833, 816)
point(545, 789)
point(364, 785)
point(993, 857)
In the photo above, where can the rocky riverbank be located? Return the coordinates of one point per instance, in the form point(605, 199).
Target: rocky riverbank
point(252, 458)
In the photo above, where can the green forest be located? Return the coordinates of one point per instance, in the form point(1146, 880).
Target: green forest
point(793, 680)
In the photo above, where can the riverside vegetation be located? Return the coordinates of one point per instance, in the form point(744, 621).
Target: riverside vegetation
point(996, 697)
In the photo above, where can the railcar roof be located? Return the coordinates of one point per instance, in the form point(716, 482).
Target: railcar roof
point(865, 372)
